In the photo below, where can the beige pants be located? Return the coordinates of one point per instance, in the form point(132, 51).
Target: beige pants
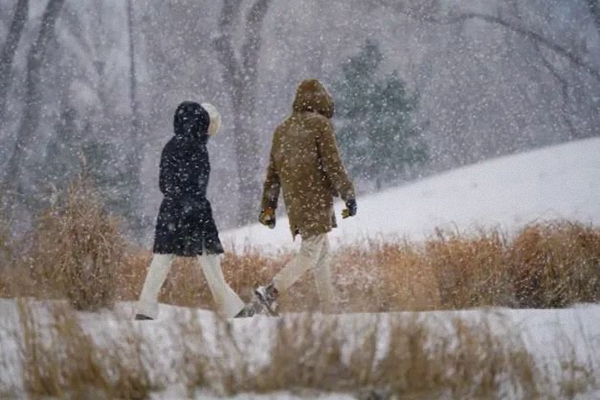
point(314, 254)
point(227, 301)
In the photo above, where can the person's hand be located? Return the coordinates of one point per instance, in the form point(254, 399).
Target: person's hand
point(267, 217)
point(350, 210)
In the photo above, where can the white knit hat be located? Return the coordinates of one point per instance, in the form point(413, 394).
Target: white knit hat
point(215, 118)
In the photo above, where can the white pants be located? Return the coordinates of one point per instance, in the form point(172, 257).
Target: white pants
point(314, 254)
point(227, 301)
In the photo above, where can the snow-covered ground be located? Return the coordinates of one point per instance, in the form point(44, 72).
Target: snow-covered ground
point(564, 344)
point(557, 182)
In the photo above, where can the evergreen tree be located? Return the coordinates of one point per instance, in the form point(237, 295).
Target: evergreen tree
point(377, 136)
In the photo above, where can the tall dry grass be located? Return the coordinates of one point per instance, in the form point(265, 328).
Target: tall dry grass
point(545, 265)
point(471, 270)
point(61, 360)
point(309, 354)
point(556, 264)
point(385, 276)
point(76, 252)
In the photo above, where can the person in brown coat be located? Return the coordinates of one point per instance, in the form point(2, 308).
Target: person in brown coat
point(306, 166)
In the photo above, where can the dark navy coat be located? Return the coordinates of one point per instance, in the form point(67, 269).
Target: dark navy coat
point(185, 224)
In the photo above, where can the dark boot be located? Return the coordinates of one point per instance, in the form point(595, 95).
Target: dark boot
point(142, 317)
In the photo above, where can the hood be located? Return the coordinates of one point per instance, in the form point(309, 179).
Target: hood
point(191, 121)
point(312, 96)
point(215, 118)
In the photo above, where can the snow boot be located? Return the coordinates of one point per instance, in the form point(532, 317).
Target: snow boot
point(248, 311)
point(142, 317)
point(267, 296)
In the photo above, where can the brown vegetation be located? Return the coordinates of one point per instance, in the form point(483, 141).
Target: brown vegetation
point(556, 264)
point(73, 253)
point(76, 252)
point(426, 358)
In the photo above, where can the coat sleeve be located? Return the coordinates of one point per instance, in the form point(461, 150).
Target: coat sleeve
point(167, 180)
point(331, 162)
point(204, 172)
point(272, 184)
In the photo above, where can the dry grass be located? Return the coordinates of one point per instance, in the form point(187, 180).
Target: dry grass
point(385, 277)
point(76, 252)
point(63, 361)
point(467, 359)
point(424, 358)
point(556, 264)
point(553, 264)
point(307, 353)
point(78, 247)
point(470, 271)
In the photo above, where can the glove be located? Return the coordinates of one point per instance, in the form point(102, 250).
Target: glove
point(350, 210)
point(267, 217)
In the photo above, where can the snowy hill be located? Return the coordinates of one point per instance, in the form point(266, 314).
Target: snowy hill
point(189, 353)
point(561, 181)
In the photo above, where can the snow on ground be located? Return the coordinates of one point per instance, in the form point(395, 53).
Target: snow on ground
point(549, 335)
point(556, 182)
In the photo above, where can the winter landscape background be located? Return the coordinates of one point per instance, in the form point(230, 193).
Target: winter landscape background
point(491, 78)
point(424, 352)
point(470, 128)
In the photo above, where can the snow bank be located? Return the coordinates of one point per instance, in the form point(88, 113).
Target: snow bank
point(556, 182)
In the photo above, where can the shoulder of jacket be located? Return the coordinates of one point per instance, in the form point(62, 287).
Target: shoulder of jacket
point(169, 146)
point(315, 116)
point(320, 124)
point(317, 121)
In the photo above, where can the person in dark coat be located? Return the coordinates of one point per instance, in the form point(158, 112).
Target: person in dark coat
point(185, 226)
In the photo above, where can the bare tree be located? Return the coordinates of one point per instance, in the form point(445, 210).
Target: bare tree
point(545, 46)
point(7, 54)
point(135, 114)
point(136, 155)
point(240, 74)
point(566, 61)
point(594, 7)
point(33, 102)
point(429, 11)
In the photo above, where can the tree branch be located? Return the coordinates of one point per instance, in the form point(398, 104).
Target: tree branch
point(427, 12)
point(9, 49)
point(564, 85)
point(573, 57)
point(224, 47)
point(33, 101)
point(251, 48)
point(594, 7)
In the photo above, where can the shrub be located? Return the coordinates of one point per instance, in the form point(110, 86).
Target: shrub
point(62, 360)
point(471, 271)
point(78, 247)
point(385, 276)
point(556, 264)
point(78, 254)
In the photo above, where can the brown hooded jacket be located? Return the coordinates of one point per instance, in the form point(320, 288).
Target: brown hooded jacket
point(305, 163)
